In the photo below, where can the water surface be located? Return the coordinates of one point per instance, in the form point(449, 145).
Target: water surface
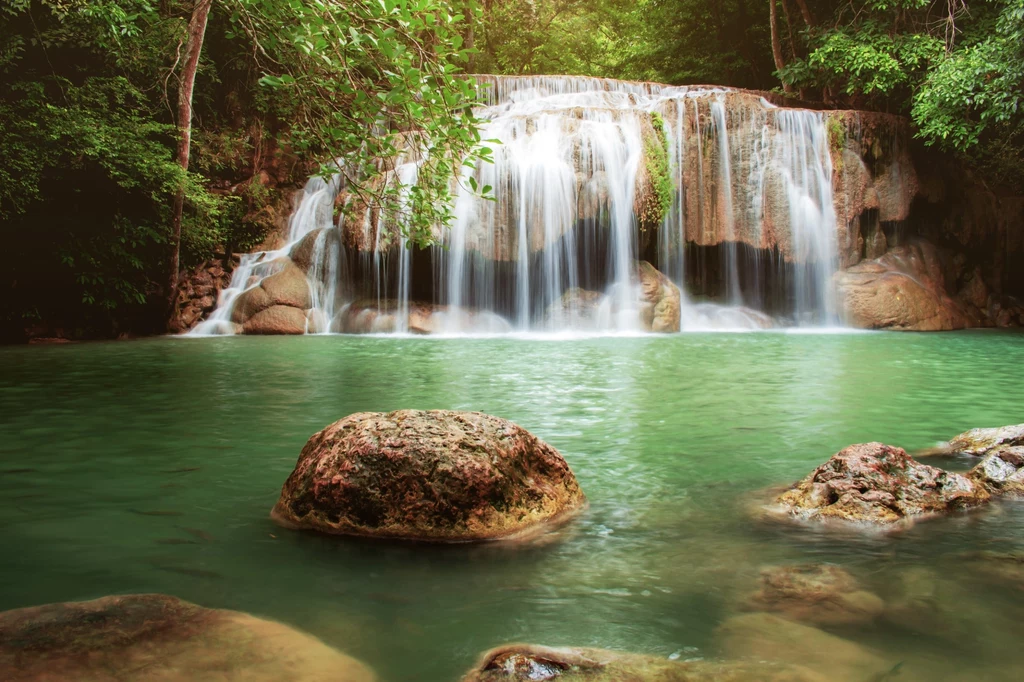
point(151, 466)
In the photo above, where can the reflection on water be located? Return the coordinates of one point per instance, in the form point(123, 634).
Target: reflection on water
point(152, 466)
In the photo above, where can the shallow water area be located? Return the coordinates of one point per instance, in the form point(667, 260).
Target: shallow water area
point(151, 466)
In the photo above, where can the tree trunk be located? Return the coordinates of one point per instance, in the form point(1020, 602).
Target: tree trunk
point(194, 47)
point(780, 63)
point(806, 12)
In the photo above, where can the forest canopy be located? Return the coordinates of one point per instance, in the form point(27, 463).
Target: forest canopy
point(107, 189)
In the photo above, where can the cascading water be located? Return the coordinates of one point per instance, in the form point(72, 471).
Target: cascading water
point(740, 187)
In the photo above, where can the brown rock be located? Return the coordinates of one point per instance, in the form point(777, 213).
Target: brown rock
point(820, 594)
point(288, 287)
point(248, 303)
point(877, 485)
point(659, 300)
point(524, 662)
point(903, 290)
point(156, 638)
point(277, 319)
point(764, 637)
point(427, 475)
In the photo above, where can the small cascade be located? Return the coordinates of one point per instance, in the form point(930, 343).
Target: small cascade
point(730, 196)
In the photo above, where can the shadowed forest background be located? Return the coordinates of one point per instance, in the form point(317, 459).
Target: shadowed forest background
point(101, 208)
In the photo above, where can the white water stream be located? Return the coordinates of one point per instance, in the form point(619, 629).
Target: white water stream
point(558, 248)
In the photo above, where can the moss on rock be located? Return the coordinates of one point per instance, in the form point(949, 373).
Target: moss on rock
point(435, 475)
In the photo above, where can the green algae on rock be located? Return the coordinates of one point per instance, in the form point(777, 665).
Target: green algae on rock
point(522, 662)
point(429, 475)
point(878, 485)
point(154, 637)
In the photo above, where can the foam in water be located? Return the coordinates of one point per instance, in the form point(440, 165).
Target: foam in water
point(558, 248)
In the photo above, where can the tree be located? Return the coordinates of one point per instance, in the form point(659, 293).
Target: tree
point(194, 47)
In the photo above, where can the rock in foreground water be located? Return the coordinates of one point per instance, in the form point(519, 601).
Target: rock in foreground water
point(153, 637)
point(764, 637)
point(435, 475)
point(880, 485)
point(979, 442)
point(821, 594)
point(1001, 471)
point(522, 662)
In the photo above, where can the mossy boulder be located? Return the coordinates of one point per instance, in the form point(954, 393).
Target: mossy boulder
point(435, 475)
point(820, 594)
point(157, 638)
point(877, 485)
point(523, 662)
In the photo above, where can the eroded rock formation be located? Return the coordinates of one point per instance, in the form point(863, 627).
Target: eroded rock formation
point(435, 475)
point(819, 594)
point(878, 485)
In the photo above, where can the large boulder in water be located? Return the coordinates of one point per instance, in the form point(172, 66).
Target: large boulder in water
point(878, 485)
point(979, 442)
point(434, 475)
point(277, 319)
point(820, 594)
point(525, 662)
point(659, 300)
point(153, 637)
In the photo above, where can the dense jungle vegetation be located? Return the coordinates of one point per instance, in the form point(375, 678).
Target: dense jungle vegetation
point(142, 137)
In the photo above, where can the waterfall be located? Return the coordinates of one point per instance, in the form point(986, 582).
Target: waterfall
point(742, 203)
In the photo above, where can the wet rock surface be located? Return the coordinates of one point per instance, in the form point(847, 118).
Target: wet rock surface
point(1002, 471)
point(979, 442)
point(198, 292)
point(821, 594)
point(874, 484)
point(659, 300)
point(153, 637)
point(524, 662)
point(434, 475)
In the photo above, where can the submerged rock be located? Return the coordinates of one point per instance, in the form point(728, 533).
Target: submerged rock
point(764, 637)
point(879, 485)
point(1005, 567)
point(979, 442)
point(154, 637)
point(433, 475)
point(822, 594)
point(659, 300)
point(524, 662)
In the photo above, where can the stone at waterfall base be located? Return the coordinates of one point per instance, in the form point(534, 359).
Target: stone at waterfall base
point(528, 662)
point(877, 485)
point(438, 475)
point(659, 300)
point(904, 289)
point(157, 638)
point(819, 594)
